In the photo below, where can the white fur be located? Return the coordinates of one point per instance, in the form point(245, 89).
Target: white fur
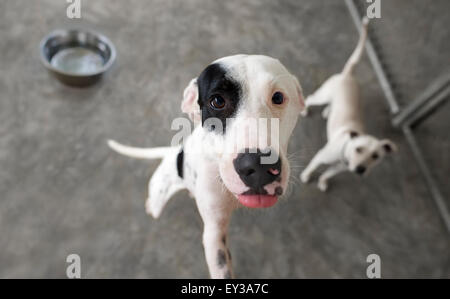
point(340, 94)
point(210, 176)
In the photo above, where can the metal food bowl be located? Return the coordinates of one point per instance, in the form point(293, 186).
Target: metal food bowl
point(77, 58)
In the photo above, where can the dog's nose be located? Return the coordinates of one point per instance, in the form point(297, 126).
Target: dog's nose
point(360, 170)
point(254, 172)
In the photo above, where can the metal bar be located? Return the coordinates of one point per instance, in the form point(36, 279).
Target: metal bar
point(415, 105)
point(432, 186)
point(428, 108)
point(375, 60)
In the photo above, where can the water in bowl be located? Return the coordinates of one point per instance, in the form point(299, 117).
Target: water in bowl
point(78, 60)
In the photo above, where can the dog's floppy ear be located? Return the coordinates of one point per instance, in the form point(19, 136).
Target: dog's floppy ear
point(299, 91)
point(388, 146)
point(190, 101)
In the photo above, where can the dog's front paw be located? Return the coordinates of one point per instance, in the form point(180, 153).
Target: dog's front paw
point(148, 207)
point(151, 210)
point(305, 177)
point(304, 112)
point(326, 112)
point(323, 185)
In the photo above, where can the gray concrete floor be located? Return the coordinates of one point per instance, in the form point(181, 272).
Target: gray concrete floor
point(62, 191)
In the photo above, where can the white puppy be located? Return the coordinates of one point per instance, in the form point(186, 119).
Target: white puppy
point(228, 97)
point(349, 147)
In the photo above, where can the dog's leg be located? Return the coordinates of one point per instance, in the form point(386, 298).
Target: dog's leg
point(329, 173)
point(215, 207)
point(217, 254)
point(215, 243)
point(321, 97)
point(164, 183)
point(326, 111)
point(324, 156)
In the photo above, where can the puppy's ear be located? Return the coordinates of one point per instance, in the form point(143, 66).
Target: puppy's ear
point(388, 146)
point(190, 101)
point(299, 90)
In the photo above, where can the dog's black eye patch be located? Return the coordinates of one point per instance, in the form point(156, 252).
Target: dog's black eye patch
point(219, 95)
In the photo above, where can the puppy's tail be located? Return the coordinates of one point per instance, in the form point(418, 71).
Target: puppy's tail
point(139, 153)
point(356, 56)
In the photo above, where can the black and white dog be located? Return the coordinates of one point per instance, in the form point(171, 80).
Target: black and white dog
point(245, 169)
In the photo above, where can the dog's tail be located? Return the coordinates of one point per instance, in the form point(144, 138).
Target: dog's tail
point(356, 56)
point(139, 153)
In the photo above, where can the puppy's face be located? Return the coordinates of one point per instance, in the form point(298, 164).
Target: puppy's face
point(364, 152)
point(250, 104)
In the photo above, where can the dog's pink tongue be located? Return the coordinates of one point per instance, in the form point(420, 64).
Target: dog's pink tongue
point(257, 201)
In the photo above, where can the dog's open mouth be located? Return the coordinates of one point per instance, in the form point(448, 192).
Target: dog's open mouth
point(258, 201)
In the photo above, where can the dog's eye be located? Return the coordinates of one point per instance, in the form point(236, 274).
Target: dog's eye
point(375, 156)
point(217, 102)
point(278, 98)
point(359, 149)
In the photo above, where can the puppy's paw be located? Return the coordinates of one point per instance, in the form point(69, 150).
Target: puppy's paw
point(151, 210)
point(304, 112)
point(325, 112)
point(148, 207)
point(305, 177)
point(323, 185)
